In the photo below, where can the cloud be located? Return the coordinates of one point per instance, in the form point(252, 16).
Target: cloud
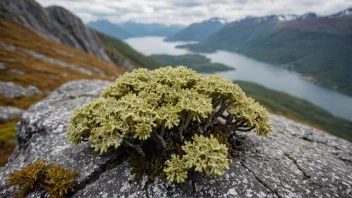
point(189, 11)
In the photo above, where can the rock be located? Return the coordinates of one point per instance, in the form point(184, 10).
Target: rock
point(18, 72)
point(9, 113)
point(33, 90)
point(55, 23)
point(2, 66)
point(293, 161)
point(11, 90)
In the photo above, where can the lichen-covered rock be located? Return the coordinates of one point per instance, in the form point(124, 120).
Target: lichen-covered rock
point(293, 161)
point(11, 90)
point(8, 113)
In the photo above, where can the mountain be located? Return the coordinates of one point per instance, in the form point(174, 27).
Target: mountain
point(110, 29)
point(347, 12)
point(58, 24)
point(317, 47)
point(53, 22)
point(198, 31)
point(152, 29)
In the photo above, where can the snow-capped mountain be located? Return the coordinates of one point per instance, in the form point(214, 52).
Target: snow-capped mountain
point(309, 15)
point(216, 20)
point(347, 12)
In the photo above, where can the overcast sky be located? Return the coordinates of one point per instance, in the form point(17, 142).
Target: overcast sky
point(189, 11)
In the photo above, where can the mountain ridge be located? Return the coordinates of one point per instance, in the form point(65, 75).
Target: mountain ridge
point(49, 23)
point(110, 29)
point(198, 31)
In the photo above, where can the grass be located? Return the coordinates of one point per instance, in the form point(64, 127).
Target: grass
point(7, 140)
point(194, 61)
point(298, 109)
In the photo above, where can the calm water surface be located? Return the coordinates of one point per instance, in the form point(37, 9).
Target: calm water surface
point(248, 69)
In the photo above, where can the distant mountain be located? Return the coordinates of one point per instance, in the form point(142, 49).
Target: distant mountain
point(317, 47)
point(152, 29)
point(198, 31)
point(347, 12)
point(110, 29)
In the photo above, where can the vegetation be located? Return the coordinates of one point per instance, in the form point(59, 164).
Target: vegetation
point(41, 177)
point(115, 46)
point(298, 109)
point(197, 62)
point(169, 112)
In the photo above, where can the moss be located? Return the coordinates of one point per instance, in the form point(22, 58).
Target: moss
point(41, 177)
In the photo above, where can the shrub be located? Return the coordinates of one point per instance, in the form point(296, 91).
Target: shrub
point(42, 177)
point(153, 113)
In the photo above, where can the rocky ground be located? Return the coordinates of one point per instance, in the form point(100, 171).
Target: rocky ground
point(293, 161)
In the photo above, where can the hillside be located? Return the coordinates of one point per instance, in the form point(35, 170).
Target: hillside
point(316, 47)
point(194, 61)
point(198, 31)
point(120, 51)
point(110, 29)
point(53, 22)
point(28, 59)
point(150, 29)
point(298, 109)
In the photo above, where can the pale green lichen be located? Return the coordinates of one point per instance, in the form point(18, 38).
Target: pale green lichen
point(168, 105)
point(203, 154)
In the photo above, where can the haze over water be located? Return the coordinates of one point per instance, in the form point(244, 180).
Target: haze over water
point(248, 69)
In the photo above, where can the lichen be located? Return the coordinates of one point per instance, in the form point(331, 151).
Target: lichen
point(168, 112)
point(41, 177)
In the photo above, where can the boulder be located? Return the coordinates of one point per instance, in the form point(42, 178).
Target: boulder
point(8, 113)
point(295, 160)
point(11, 90)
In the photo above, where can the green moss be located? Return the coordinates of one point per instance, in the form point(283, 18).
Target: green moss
point(42, 177)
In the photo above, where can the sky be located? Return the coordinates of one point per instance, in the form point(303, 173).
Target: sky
point(185, 12)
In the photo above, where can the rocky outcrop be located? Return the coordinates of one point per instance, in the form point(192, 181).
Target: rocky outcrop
point(8, 113)
point(11, 90)
point(55, 23)
point(2, 66)
point(293, 161)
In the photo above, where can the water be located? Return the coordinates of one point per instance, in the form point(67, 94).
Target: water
point(248, 69)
